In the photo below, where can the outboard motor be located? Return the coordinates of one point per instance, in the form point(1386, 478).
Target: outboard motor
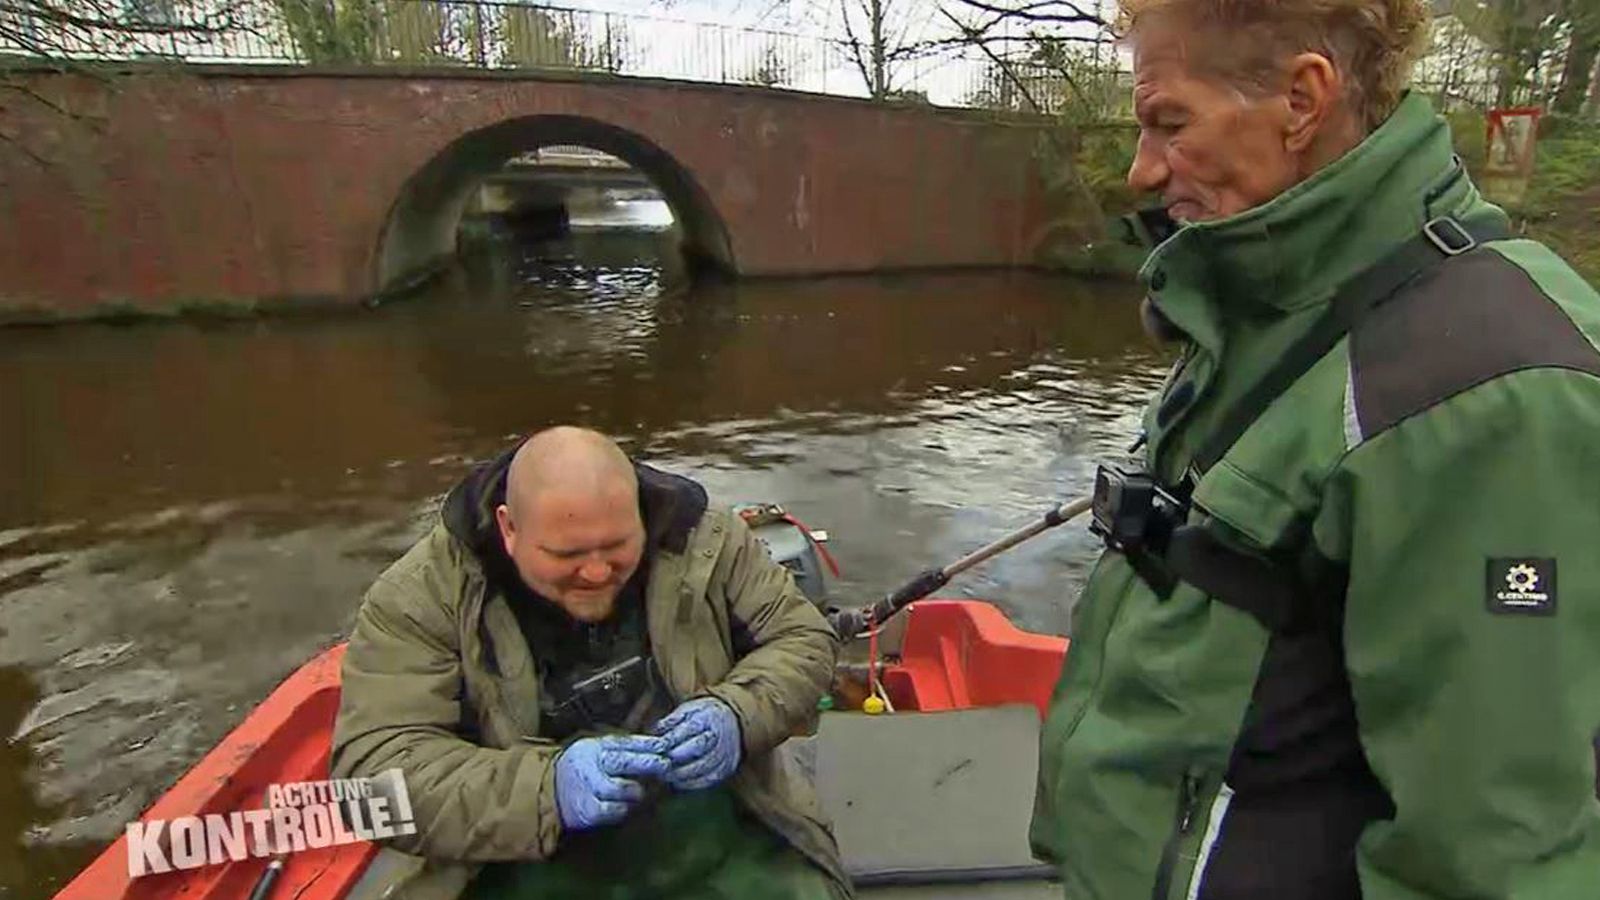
point(792, 545)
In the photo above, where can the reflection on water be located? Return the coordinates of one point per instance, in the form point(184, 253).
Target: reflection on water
point(647, 212)
point(189, 511)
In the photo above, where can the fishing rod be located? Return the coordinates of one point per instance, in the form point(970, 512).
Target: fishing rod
point(269, 877)
point(849, 623)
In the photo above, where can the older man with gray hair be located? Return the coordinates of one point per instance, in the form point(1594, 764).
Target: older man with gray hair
point(1327, 654)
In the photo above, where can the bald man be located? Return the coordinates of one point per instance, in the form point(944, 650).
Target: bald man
point(583, 672)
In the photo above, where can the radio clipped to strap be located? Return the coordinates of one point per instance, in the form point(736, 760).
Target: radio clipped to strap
point(1135, 515)
point(1148, 525)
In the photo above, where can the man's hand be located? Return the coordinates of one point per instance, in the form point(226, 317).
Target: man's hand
point(595, 777)
point(703, 742)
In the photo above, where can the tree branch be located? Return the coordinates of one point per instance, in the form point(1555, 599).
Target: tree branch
point(1036, 12)
point(19, 88)
point(981, 41)
point(1077, 89)
point(24, 149)
point(854, 46)
point(104, 21)
point(1001, 64)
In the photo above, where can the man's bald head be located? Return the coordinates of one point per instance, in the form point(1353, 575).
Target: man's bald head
point(574, 459)
point(571, 521)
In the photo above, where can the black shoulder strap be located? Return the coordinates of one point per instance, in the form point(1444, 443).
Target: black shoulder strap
point(1272, 588)
point(1440, 239)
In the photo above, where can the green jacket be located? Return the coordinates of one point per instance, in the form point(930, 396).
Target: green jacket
point(1432, 738)
point(439, 679)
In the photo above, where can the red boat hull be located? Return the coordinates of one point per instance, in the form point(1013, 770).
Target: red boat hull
point(955, 654)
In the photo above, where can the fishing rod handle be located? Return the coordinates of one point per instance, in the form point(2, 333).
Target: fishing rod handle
point(848, 623)
point(926, 582)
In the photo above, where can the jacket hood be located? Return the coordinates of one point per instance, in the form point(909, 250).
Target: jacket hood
point(1293, 251)
point(671, 506)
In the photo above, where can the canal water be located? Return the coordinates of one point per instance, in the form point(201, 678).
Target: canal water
point(190, 510)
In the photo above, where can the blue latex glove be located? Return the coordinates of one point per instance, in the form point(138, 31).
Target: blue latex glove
point(703, 742)
point(595, 777)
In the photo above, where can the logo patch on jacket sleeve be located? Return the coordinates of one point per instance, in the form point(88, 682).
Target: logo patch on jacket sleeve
point(1525, 586)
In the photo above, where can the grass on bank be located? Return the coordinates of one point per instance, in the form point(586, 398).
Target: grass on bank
point(1562, 207)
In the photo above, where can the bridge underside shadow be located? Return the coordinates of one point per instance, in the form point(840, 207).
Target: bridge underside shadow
point(420, 233)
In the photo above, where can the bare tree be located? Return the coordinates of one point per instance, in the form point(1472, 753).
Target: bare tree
point(1036, 51)
point(1032, 12)
point(1521, 37)
point(66, 34)
point(882, 36)
point(771, 69)
point(1014, 27)
point(1583, 47)
point(66, 31)
point(879, 41)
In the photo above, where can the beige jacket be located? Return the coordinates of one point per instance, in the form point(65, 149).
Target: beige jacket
point(440, 681)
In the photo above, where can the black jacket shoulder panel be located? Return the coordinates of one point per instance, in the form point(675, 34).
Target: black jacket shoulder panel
point(1470, 320)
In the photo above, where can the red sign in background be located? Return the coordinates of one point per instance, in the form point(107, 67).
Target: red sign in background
point(1512, 133)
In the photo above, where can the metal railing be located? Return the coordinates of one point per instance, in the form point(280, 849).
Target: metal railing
point(488, 35)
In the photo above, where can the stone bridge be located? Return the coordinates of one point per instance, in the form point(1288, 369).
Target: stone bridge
point(165, 188)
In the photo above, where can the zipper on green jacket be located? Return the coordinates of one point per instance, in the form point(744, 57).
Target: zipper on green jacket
point(1182, 825)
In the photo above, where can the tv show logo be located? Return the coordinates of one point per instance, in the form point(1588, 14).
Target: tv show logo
point(299, 816)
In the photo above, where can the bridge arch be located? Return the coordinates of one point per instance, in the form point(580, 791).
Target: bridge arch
point(419, 232)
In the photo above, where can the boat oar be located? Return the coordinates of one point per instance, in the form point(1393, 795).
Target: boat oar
point(848, 623)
